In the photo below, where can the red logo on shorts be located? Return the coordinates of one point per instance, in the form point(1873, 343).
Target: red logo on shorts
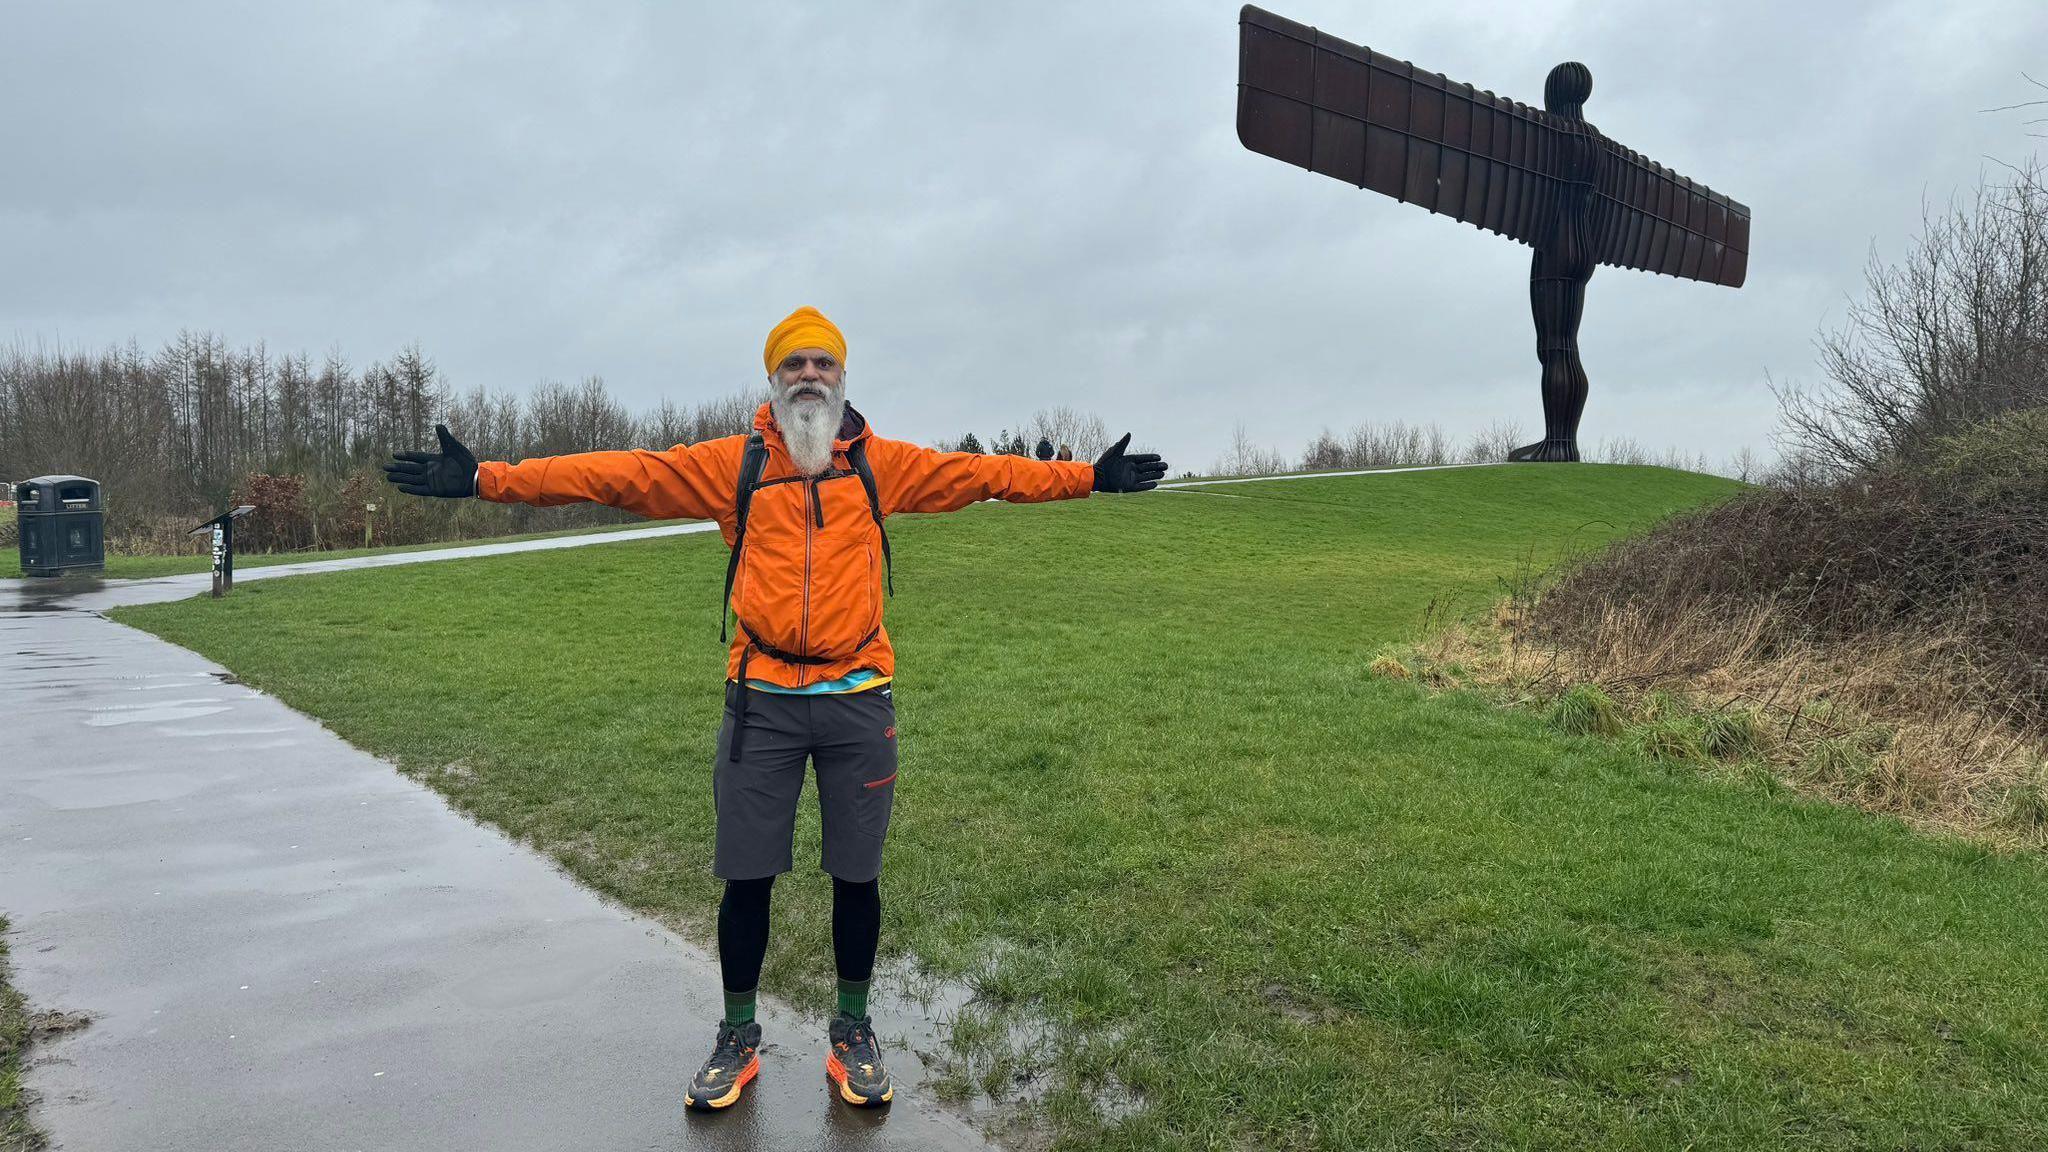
point(889, 733)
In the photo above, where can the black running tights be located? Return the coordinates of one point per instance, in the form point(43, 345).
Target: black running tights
point(743, 929)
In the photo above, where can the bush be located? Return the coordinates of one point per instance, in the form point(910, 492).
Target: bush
point(1731, 734)
point(280, 522)
point(1841, 761)
point(2001, 463)
point(1386, 666)
point(1951, 547)
point(1954, 334)
point(1584, 710)
point(1671, 739)
point(2026, 806)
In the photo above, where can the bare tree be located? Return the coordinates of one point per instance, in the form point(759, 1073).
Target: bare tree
point(1953, 335)
point(176, 434)
point(1084, 432)
point(1492, 443)
point(1248, 459)
point(1745, 466)
point(1323, 454)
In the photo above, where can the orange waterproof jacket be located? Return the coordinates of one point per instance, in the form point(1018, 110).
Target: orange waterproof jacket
point(810, 573)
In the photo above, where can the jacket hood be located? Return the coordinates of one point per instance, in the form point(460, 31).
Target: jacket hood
point(852, 426)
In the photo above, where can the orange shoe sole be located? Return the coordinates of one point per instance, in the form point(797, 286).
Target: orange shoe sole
point(731, 1095)
point(836, 1073)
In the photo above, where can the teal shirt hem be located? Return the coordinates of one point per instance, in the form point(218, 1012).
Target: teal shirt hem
point(846, 683)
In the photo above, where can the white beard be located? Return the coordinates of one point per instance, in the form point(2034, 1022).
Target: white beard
point(808, 426)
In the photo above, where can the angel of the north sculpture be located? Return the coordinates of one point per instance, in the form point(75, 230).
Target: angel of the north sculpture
point(1543, 176)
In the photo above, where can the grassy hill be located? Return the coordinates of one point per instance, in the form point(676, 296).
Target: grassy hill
point(1150, 793)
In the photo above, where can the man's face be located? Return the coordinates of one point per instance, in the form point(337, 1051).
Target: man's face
point(809, 376)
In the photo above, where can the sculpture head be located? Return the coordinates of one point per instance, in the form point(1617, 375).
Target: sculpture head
point(1566, 89)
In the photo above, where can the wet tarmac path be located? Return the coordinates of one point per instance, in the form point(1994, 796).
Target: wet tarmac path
point(286, 944)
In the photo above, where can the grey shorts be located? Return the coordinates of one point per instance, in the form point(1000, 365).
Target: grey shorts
point(850, 737)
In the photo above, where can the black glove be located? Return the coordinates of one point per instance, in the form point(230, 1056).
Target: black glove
point(1116, 472)
point(450, 472)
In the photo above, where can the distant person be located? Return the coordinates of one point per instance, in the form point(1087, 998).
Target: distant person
point(1065, 453)
point(1044, 451)
point(801, 503)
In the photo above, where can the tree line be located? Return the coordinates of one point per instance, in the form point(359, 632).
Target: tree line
point(1081, 433)
point(177, 434)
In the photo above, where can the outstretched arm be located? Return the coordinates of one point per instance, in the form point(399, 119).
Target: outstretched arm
point(696, 480)
point(915, 479)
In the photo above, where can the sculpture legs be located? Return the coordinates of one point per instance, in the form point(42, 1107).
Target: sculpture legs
point(1557, 303)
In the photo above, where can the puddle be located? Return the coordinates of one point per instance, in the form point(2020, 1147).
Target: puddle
point(156, 713)
point(994, 1062)
point(47, 593)
point(257, 746)
point(86, 793)
point(1116, 1101)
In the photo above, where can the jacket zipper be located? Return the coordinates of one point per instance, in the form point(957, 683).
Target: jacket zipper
point(803, 671)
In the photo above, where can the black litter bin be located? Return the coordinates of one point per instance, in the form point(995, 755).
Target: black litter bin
point(62, 523)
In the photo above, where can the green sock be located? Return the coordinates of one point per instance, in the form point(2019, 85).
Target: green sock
point(739, 1007)
point(853, 997)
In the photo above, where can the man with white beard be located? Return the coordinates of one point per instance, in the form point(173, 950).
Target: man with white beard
point(801, 501)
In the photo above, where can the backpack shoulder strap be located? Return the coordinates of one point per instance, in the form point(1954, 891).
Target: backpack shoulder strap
point(752, 460)
point(857, 456)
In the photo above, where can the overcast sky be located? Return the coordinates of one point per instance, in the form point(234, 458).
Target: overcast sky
point(1006, 206)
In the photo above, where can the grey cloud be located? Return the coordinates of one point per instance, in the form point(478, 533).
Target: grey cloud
point(1006, 207)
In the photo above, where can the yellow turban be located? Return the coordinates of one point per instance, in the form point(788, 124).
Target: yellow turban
point(804, 328)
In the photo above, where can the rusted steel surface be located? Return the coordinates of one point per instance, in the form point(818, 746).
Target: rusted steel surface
point(1310, 99)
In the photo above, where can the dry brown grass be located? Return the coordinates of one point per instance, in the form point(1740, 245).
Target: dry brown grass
point(1897, 723)
point(1880, 641)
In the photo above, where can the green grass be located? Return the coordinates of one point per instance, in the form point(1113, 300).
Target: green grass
point(15, 1133)
point(1151, 792)
point(1584, 710)
point(143, 567)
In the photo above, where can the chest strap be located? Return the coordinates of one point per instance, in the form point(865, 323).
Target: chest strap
point(737, 691)
point(756, 643)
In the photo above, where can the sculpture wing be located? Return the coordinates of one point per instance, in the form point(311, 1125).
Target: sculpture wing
point(1334, 107)
point(1651, 218)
